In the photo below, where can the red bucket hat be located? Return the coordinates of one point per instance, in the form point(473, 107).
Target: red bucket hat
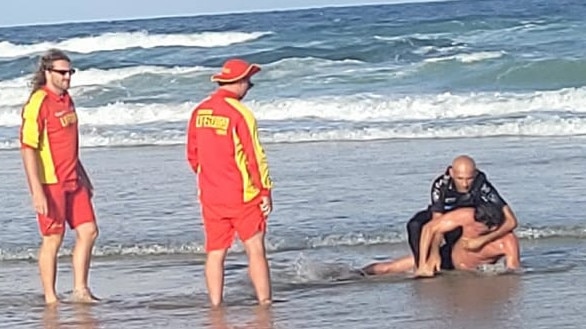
point(234, 70)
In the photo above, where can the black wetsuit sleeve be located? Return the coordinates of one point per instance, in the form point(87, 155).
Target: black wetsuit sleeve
point(438, 189)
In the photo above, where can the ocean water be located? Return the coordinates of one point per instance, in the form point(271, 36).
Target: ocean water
point(360, 108)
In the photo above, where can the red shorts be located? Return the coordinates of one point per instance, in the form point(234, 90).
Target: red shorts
point(221, 223)
point(68, 202)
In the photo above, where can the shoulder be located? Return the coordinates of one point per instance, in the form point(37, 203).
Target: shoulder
point(481, 176)
point(482, 183)
point(203, 103)
point(243, 111)
point(441, 181)
point(237, 105)
point(35, 102)
point(486, 190)
point(37, 98)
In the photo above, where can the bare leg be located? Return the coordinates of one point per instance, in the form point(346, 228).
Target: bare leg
point(401, 265)
point(48, 265)
point(214, 270)
point(258, 268)
point(86, 235)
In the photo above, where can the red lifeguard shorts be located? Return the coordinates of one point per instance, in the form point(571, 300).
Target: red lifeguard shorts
point(67, 202)
point(221, 223)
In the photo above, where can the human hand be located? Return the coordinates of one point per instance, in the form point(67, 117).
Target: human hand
point(479, 228)
point(473, 244)
point(40, 202)
point(266, 205)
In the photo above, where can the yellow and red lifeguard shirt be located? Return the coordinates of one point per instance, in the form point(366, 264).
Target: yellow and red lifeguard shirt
point(223, 148)
point(49, 125)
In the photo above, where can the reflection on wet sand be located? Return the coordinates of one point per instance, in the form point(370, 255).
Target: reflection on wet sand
point(466, 298)
point(79, 316)
point(262, 318)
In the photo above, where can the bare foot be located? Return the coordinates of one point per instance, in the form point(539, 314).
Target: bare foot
point(218, 306)
point(84, 296)
point(424, 273)
point(51, 301)
point(265, 302)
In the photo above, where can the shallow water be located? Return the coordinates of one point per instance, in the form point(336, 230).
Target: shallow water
point(338, 206)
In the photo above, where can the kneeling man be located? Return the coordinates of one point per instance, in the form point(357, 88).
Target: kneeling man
point(474, 222)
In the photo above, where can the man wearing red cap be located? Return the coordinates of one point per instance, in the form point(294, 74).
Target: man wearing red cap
point(224, 150)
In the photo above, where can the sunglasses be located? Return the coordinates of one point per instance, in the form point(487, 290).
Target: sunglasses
point(63, 72)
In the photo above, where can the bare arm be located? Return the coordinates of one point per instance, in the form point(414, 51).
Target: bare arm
point(489, 193)
point(434, 253)
point(31, 168)
point(446, 223)
point(433, 232)
point(438, 189)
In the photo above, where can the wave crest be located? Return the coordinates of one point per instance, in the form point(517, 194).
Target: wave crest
point(282, 244)
point(126, 40)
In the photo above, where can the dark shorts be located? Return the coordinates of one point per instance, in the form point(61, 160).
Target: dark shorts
point(414, 228)
point(446, 257)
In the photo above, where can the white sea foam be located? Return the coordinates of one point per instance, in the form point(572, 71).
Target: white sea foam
point(530, 126)
point(280, 244)
point(468, 58)
point(126, 40)
point(14, 92)
point(105, 136)
point(355, 108)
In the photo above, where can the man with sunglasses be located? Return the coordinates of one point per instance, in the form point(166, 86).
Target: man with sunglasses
point(60, 187)
point(234, 185)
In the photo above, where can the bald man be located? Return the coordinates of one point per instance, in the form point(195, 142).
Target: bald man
point(461, 186)
point(474, 223)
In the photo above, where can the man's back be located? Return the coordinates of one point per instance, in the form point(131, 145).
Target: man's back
point(464, 259)
point(224, 150)
point(234, 184)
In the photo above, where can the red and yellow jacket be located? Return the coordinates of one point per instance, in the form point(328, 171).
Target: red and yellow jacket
point(223, 148)
point(49, 125)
